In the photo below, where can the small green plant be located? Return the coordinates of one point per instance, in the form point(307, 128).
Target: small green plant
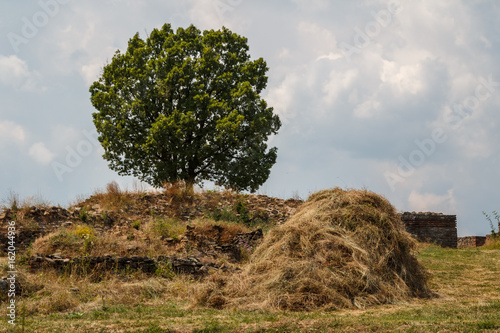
point(167, 227)
point(105, 218)
point(87, 233)
point(241, 208)
point(136, 224)
point(63, 239)
point(490, 220)
point(224, 214)
point(84, 214)
point(13, 202)
point(237, 213)
point(165, 270)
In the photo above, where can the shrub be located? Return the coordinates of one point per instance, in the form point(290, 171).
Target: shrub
point(166, 227)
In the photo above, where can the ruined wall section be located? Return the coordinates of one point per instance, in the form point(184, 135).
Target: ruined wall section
point(432, 227)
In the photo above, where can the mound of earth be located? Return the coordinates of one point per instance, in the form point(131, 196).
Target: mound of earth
point(342, 249)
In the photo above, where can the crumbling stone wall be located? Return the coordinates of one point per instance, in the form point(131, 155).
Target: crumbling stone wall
point(471, 241)
point(87, 264)
point(432, 227)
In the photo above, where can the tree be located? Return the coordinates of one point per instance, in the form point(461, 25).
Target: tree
point(185, 106)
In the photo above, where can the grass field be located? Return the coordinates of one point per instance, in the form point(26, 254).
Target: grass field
point(466, 281)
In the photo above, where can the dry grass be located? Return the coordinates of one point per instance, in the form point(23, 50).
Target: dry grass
point(113, 198)
point(221, 231)
point(465, 279)
point(342, 249)
point(14, 202)
point(82, 239)
point(50, 292)
point(493, 242)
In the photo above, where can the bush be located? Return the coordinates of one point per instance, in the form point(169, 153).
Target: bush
point(166, 227)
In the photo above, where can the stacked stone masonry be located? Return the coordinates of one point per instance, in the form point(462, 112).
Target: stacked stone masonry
point(471, 241)
point(432, 227)
point(88, 264)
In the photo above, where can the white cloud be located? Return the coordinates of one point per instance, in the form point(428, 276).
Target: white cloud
point(11, 132)
point(41, 154)
point(367, 109)
point(15, 72)
point(90, 72)
point(281, 97)
point(430, 202)
point(214, 14)
point(339, 81)
point(405, 79)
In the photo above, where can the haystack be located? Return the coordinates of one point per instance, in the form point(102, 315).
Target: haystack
point(342, 249)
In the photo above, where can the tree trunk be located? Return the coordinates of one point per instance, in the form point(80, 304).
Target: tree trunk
point(190, 185)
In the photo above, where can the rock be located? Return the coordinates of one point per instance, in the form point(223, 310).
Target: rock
point(5, 214)
point(4, 284)
point(132, 248)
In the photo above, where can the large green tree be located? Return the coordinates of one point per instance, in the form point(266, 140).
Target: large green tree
point(186, 105)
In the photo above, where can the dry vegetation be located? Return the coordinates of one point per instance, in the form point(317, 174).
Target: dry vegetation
point(342, 263)
point(342, 249)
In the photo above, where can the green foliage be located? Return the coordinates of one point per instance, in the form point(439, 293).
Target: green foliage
point(239, 213)
point(84, 214)
point(497, 217)
point(167, 227)
point(105, 218)
point(241, 208)
point(64, 239)
point(224, 214)
point(186, 106)
point(87, 234)
point(136, 224)
point(13, 201)
point(165, 270)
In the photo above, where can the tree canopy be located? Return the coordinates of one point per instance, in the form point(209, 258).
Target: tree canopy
point(186, 106)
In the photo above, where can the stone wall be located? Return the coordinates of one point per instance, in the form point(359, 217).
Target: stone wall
point(432, 227)
point(113, 264)
point(471, 241)
point(22, 240)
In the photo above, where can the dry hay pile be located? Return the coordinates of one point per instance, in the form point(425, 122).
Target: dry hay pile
point(342, 249)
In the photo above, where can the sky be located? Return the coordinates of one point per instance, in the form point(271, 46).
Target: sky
point(397, 97)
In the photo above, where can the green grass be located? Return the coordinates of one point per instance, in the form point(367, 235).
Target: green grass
point(465, 280)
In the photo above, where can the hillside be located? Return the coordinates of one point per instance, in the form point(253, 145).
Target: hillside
point(189, 262)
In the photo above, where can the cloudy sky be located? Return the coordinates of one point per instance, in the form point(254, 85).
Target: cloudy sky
point(398, 97)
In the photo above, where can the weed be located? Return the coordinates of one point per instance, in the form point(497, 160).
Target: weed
point(83, 214)
point(178, 192)
point(154, 328)
point(165, 270)
point(105, 218)
point(494, 234)
point(211, 327)
point(75, 315)
point(136, 224)
point(12, 202)
point(83, 231)
point(165, 227)
point(223, 214)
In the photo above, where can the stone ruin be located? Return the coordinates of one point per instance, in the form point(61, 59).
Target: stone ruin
point(432, 228)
